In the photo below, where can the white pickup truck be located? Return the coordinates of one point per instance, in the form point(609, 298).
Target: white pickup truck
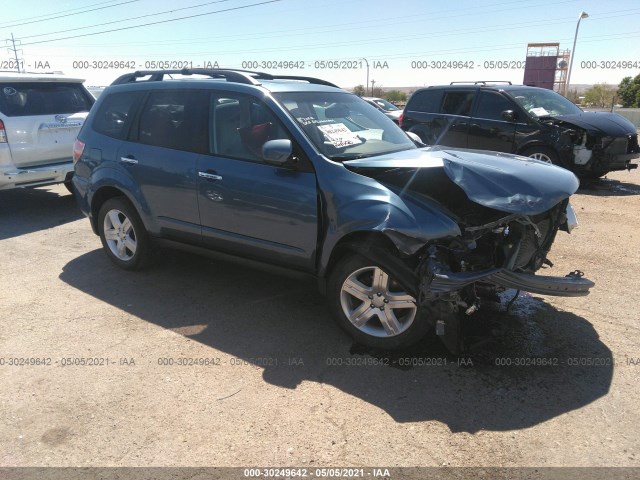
point(40, 116)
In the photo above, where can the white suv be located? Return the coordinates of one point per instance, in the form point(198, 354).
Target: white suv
point(40, 116)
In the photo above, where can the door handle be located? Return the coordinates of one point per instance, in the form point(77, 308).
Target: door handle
point(209, 176)
point(129, 160)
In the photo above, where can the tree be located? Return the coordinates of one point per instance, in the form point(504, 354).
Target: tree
point(395, 96)
point(377, 92)
point(359, 90)
point(600, 95)
point(629, 91)
point(573, 95)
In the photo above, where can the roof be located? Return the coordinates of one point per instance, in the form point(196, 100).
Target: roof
point(471, 85)
point(37, 77)
point(198, 77)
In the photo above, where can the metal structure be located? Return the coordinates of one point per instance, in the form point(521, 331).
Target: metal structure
point(546, 66)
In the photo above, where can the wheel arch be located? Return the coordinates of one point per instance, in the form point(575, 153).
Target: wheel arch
point(536, 144)
point(101, 195)
point(376, 246)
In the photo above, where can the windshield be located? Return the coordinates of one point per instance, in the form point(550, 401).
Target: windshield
point(383, 104)
point(540, 102)
point(343, 126)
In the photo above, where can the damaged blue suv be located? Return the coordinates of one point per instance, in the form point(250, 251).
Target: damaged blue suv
point(298, 173)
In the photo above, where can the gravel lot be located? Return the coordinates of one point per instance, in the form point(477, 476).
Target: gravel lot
point(279, 383)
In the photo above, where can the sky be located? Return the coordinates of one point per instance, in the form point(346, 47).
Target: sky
point(407, 43)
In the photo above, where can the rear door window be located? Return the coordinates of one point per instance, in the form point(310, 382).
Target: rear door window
point(175, 119)
point(115, 114)
point(20, 99)
point(457, 103)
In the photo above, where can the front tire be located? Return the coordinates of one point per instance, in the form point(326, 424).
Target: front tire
point(544, 154)
point(123, 235)
point(372, 306)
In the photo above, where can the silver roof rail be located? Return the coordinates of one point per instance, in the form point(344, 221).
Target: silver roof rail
point(230, 75)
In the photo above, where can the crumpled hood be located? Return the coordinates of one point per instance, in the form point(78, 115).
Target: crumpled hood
point(504, 182)
point(600, 123)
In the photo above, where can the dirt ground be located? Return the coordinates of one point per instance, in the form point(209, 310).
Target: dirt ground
point(197, 362)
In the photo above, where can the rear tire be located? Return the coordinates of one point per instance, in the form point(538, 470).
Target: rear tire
point(123, 235)
point(372, 307)
point(69, 186)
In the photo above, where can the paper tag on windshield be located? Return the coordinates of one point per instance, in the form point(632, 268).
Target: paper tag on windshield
point(539, 112)
point(339, 135)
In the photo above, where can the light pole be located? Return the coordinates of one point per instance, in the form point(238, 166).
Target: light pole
point(573, 52)
point(366, 84)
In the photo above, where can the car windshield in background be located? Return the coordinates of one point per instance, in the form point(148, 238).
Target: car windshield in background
point(343, 126)
point(543, 103)
point(387, 106)
point(21, 99)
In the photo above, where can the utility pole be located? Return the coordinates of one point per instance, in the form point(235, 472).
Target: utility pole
point(373, 82)
point(366, 84)
point(15, 51)
point(573, 51)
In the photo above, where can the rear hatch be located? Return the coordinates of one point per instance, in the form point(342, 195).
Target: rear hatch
point(42, 119)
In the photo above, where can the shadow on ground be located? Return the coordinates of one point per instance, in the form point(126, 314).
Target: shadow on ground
point(606, 187)
point(252, 314)
point(36, 209)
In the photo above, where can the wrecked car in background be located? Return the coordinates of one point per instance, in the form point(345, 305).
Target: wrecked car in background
point(529, 121)
point(295, 172)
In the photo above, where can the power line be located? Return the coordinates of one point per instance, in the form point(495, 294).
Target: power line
point(378, 39)
point(69, 14)
point(127, 19)
point(349, 25)
point(60, 11)
point(152, 23)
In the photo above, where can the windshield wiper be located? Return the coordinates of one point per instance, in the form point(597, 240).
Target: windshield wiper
point(348, 156)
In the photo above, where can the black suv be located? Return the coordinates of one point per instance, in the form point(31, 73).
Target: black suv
point(529, 121)
point(295, 172)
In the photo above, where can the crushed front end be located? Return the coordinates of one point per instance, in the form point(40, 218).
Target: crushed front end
point(457, 276)
point(593, 144)
point(508, 210)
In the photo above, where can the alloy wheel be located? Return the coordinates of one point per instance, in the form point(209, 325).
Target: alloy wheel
point(541, 156)
point(119, 235)
point(375, 303)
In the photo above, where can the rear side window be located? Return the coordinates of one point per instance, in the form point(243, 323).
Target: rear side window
point(457, 103)
point(21, 99)
point(175, 119)
point(491, 105)
point(115, 113)
point(427, 101)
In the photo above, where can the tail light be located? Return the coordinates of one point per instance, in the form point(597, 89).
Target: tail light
point(3, 133)
point(400, 119)
point(78, 148)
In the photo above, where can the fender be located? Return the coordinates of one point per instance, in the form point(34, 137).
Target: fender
point(375, 208)
point(107, 176)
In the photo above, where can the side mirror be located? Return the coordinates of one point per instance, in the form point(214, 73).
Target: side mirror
point(416, 139)
point(277, 152)
point(509, 115)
